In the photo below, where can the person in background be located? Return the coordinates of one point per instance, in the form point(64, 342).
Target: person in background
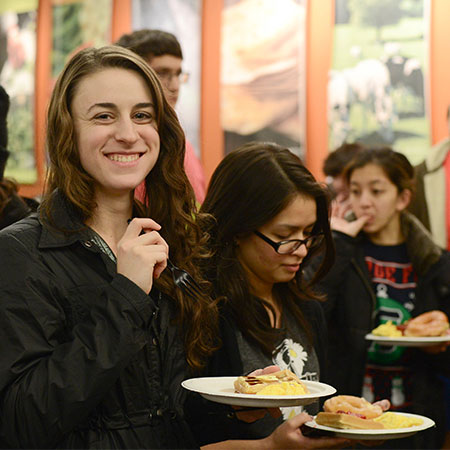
point(432, 201)
point(387, 268)
point(265, 215)
point(163, 52)
point(12, 206)
point(333, 168)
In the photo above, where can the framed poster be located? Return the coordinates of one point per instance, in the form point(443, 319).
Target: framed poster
point(263, 72)
point(17, 68)
point(78, 24)
point(377, 88)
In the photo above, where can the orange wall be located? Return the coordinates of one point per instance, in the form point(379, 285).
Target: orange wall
point(121, 19)
point(319, 41)
point(439, 68)
point(211, 134)
point(319, 45)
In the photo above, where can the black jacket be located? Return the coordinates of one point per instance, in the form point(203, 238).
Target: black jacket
point(350, 307)
point(214, 422)
point(87, 359)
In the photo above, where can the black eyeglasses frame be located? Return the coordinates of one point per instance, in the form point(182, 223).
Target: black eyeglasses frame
point(276, 245)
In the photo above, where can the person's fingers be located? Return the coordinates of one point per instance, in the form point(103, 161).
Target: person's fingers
point(137, 225)
point(266, 371)
point(435, 349)
point(152, 238)
point(270, 369)
point(384, 404)
point(298, 420)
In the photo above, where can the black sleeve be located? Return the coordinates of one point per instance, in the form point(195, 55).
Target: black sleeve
point(51, 376)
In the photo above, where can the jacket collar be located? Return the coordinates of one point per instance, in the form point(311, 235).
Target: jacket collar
point(421, 247)
point(66, 226)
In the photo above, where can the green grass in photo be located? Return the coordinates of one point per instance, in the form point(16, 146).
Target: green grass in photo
point(408, 33)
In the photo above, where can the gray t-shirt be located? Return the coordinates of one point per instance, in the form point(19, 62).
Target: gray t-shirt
point(293, 352)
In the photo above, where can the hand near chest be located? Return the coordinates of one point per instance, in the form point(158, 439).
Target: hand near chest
point(142, 253)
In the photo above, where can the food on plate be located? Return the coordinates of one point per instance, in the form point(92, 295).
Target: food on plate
point(347, 421)
point(350, 412)
point(387, 329)
point(283, 382)
point(431, 323)
point(392, 420)
point(356, 405)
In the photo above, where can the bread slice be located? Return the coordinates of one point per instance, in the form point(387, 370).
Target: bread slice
point(347, 421)
point(286, 382)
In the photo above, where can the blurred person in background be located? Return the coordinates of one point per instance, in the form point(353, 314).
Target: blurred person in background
point(432, 201)
point(163, 53)
point(387, 268)
point(12, 206)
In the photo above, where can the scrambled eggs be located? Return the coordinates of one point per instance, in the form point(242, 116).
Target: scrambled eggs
point(387, 329)
point(284, 388)
point(392, 420)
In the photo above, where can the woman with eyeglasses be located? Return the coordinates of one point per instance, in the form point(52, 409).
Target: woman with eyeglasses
point(266, 215)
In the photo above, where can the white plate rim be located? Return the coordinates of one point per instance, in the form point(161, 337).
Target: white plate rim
point(239, 399)
point(407, 341)
point(395, 433)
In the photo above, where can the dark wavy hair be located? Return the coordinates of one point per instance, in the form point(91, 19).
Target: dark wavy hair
point(395, 165)
point(249, 187)
point(169, 196)
point(150, 43)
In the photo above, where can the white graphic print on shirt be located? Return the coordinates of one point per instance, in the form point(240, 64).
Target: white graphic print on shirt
point(292, 355)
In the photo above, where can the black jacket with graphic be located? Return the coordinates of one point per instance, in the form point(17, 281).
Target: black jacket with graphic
point(87, 359)
point(350, 308)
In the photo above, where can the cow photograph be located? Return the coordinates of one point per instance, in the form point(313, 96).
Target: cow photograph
point(377, 83)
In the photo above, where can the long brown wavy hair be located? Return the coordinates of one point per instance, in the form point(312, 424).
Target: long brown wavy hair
point(249, 187)
point(169, 196)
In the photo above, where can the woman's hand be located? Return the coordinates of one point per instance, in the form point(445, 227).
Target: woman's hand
point(289, 435)
point(341, 206)
point(344, 226)
point(142, 253)
point(438, 348)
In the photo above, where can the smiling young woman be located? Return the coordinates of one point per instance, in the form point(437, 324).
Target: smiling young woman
point(87, 294)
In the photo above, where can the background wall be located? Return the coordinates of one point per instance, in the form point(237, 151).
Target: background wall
point(319, 41)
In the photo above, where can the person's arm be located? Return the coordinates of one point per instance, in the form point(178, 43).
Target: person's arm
point(51, 375)
point(287, 435)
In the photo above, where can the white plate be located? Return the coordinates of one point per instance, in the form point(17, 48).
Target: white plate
point(406, 341)
point(221, 390)
point(377, 434)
